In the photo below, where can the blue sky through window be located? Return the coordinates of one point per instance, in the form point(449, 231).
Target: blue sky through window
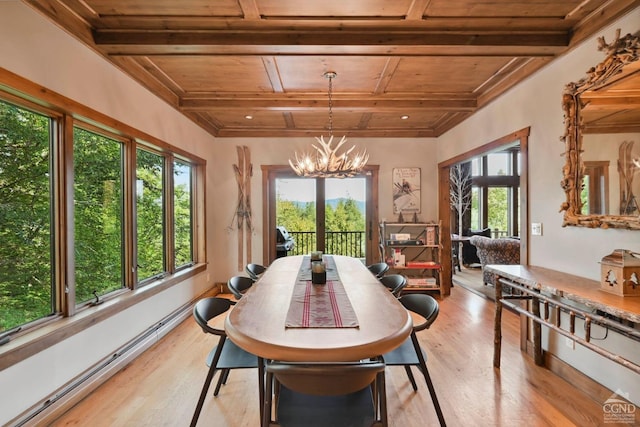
point(303, 189)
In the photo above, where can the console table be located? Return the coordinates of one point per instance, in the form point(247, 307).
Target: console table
point(552, 292)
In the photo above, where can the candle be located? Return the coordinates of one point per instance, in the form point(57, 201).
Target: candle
point(317, 267)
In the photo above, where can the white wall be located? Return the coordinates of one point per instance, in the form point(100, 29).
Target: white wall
point(388, 153)
point(575, 250)
point(32, 47)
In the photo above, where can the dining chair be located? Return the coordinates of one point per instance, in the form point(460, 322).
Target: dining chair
point(325, 394)
point(225, 355)
point(255, 270)
point(238, 285)
point(378, 269)
point(394, 282)
point(410, 353)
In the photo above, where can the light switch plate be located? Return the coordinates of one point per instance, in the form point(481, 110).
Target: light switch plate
point(536, 229)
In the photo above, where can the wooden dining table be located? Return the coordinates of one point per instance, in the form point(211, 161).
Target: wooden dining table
point(257, 321)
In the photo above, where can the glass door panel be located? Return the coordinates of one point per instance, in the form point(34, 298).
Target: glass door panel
point(476, 206)
point(498, 211)
point(296, 212)
point(327, 215)
point(345, 216)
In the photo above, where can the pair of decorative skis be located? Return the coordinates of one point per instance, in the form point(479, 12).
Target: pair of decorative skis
point(243, 171)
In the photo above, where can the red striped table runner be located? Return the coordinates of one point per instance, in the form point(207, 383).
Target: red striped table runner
point(320, 306)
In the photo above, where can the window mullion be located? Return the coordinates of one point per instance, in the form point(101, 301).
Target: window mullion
point(129, 207)
point(64, 259)
point(199, 213)
point(169, 222)
point(515, 223)
point(320, 215)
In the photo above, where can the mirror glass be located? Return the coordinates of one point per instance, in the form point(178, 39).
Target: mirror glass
point(602, 138)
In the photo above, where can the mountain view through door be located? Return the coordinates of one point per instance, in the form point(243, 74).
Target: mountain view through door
point(327, 215)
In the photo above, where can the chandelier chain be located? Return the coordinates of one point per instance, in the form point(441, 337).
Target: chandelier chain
point(330, 105)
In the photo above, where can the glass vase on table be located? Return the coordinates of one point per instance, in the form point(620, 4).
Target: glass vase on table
point(318, 272)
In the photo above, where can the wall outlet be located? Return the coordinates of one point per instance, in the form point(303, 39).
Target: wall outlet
point(570, 343)
point(536, 229)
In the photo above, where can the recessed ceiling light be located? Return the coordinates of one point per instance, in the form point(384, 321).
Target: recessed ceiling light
point(248, 117)
point(405, 117)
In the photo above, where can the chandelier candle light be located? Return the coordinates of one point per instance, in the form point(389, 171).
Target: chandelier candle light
point(327, 162)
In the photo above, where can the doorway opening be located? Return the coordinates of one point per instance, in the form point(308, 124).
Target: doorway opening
point(331, 215)
point(517, 198)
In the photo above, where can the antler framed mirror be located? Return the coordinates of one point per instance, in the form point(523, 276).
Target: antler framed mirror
point(601, 175)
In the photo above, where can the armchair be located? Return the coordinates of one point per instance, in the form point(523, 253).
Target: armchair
point(503, 251)
point(469, 252)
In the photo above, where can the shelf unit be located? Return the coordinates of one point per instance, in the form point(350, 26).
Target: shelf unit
point(415, 251)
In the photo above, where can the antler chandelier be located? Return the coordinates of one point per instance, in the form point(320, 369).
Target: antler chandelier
point(326, 162)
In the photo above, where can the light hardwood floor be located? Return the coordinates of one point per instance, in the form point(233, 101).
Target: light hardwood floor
point(161, 387)
point(471, 279)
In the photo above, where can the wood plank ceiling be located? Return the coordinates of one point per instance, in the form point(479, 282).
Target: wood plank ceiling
point(435, 62)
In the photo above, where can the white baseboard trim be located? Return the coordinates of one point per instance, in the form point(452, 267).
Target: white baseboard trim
point(63, 399)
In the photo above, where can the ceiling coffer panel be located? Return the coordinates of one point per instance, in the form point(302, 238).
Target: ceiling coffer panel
point(435, 61)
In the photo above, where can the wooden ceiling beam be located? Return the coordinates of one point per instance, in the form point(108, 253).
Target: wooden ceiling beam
point(307, 104)
point(381, 42)
point(233, 132)
point(329, 50)
point(250, 9)
point(453, 23)
point(334, 36)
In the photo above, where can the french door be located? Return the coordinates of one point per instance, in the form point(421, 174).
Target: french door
point(326, 214)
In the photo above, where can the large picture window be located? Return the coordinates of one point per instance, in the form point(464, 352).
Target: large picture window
point(88, 212)
point(26, 268)
point(495, 192)
point(98, 181)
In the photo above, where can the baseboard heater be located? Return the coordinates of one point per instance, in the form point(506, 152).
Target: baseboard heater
point(47, 410)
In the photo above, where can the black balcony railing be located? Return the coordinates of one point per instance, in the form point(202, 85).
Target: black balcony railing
point(348, 243)
point(495, 233)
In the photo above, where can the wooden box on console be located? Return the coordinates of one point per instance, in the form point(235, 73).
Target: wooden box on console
point(620, 273)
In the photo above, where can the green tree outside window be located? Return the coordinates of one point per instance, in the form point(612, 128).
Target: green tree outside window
point(26, 273)
point(182, 214)
point(98, 214)
point(150, 218)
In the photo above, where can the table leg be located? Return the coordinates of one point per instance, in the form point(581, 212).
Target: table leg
point(536, 332)
point(261, 391)
point(497, 327)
